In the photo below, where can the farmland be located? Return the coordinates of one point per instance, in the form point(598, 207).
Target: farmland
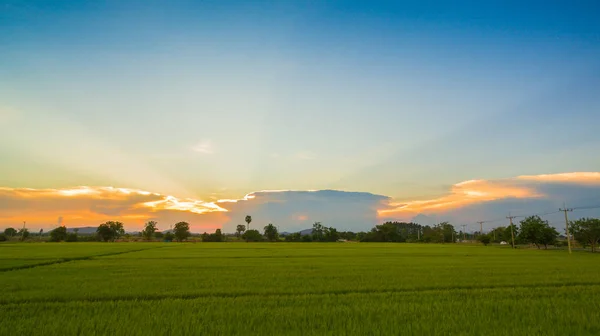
point(296, 289)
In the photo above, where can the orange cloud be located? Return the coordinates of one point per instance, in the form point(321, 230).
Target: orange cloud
point(575, 177)
point(480, 191)
point(463, 194)
point(84, 205)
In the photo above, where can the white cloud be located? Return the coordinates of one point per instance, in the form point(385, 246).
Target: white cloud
point(204, 147)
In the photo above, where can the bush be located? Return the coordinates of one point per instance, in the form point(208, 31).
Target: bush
point(252, 236)
point(71, 237)
point(485, 239)
point(3, 237)
point(88, 238)
point(169, 236)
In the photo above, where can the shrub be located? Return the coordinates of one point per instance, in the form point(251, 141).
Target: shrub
point(71, 237)
point(485, 239)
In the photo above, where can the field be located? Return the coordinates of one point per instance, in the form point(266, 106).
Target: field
point(295, 289)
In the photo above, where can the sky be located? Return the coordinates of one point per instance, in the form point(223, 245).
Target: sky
point(344, 112)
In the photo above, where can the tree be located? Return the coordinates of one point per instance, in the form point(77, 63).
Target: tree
point(58, 234)
point(240, 229)
point(548, 236)
point(536, 231)
point(331, 234)
point(219, 235)
point(24, 233)
point(497, 234)
point(447, 232)
point(271, 232)
point(159, 235)
point(393, 232)
point(318, 232)
point(181, 231)
point(149, 230)
point(110, 231)
point(586, 231)
point(348, 235)
point(248, 220)
point(252, 236)
point(10, 232)
point(213, 237)
point(485, 239)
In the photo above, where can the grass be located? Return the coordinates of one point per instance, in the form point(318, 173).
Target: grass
point(297, 289)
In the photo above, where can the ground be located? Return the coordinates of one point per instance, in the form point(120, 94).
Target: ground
point(296, 289)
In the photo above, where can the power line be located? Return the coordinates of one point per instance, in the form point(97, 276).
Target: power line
point(587, 207)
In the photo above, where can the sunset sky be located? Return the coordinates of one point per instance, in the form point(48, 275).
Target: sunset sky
point(344, 112)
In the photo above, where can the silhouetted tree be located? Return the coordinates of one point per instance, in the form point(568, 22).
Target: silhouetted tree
point(252, 236)
point(485, 239)
point(240, 229)
point(10, 232)
point(248, 221)
point(58, 234)
point(181, 231)
point(586, 231)
point(110, 231)
point(271, 232)
point(149, 230)
point(318, 232)
point(536, 231)
point(23, 233)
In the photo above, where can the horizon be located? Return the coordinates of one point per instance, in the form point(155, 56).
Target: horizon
point(342, 113)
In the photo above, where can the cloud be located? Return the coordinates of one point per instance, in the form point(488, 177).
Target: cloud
point(297, 209)
point(84, 205)
point(466, 193)
point(575, 177)
point(465, 203)
point(204, 147)
point(479, 200)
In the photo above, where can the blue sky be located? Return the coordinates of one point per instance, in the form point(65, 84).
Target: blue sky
point(217, 99)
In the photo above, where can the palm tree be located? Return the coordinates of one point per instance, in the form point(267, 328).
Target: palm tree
point(248, 220)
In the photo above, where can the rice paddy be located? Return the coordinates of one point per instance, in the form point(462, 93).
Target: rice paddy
point(295, 289)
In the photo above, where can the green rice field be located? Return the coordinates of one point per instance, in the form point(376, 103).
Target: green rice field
point(295, 289)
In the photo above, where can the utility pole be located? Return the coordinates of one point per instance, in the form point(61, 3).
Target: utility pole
point(565, 209)
point(494, 231)
point(464, 229)
point(512, 232)
point(481, 228)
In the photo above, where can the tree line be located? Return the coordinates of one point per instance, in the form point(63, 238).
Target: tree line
point(538, 232)
point(531, 230)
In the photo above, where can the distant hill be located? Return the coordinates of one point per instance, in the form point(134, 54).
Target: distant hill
point(306, 232)
point(302, 233)
point(84, 230)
